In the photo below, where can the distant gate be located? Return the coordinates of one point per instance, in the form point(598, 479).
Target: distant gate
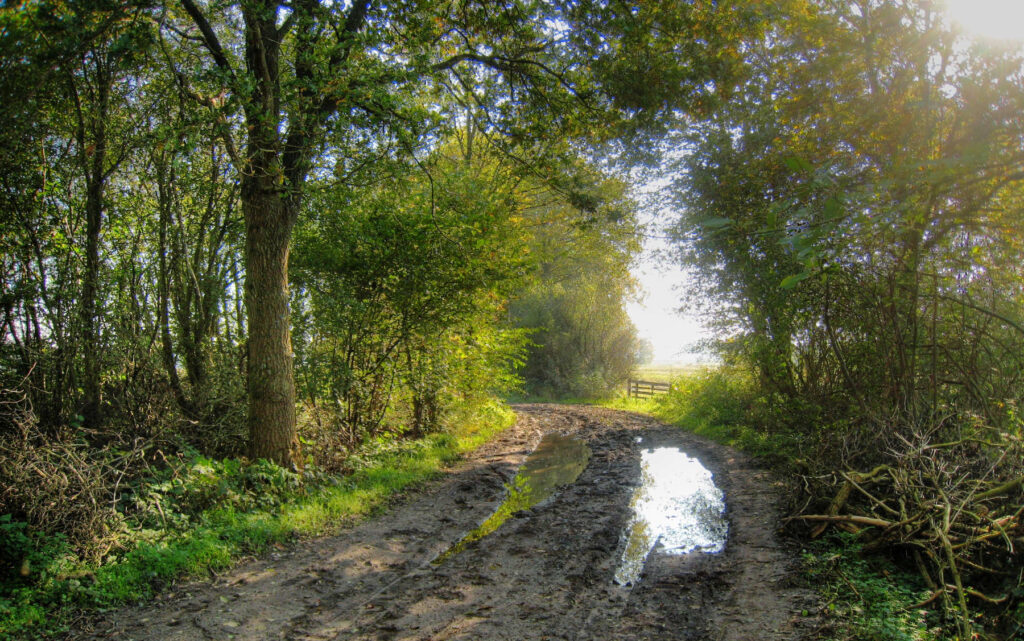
point(646, 389)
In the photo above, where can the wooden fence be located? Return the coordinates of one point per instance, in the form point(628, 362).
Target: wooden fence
point(645, 389)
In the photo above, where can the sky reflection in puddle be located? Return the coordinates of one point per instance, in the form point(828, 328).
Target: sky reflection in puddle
point(557, 461)
point(677, 506)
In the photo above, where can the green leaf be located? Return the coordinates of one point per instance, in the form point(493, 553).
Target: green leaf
point(795, 163)
point(791, 281)
point(806, 252)
point(833, 208)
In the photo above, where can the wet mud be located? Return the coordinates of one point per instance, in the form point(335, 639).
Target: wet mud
point(556, 462)
point(546, 572)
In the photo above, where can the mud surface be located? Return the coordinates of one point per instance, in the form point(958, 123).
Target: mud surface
point(546, 573)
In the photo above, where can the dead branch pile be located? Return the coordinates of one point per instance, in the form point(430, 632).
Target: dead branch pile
point(955, 506)
point(60, 483)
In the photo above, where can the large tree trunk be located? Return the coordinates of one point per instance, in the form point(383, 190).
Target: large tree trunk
point(269, 221)
point(275, 168)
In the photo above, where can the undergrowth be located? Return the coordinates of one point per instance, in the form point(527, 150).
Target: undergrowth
point(720, 404)
point(200, 515)
point(867, 599)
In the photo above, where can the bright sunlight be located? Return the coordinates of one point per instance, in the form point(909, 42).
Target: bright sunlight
point(997, 19)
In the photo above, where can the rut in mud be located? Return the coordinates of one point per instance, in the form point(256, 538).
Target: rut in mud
point(546, 573)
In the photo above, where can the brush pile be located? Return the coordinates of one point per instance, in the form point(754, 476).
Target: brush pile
point(954, 507)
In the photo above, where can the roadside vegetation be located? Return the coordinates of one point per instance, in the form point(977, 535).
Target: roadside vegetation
point(193, 516)
point(242, 304)
point(852, 216)
point(873, 584)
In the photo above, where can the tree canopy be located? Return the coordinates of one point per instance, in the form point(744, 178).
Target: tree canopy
point(201, 134)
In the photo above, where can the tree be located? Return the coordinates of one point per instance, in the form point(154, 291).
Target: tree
point(582, 341)
point(290, 91)
point(307, 70)
point(199, 243)
point(397, 287)
point(856, 207)
point(95, 87)
point(81, 60)
point(811, 199)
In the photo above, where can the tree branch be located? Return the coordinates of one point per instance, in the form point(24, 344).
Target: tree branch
point(209, 37)
point(1005, 488)
point(844, 518)
point(309, 120)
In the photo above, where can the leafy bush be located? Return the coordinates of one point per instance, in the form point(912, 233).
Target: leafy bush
point(720, 397)
point(196, 484)
point(723, 404)
point(27, 555)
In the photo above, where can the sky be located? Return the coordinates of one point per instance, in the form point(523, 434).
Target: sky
point(657, 316)
point(999, 19)
point(671, 333)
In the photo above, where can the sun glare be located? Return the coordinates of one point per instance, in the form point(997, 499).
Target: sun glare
point(997, 19)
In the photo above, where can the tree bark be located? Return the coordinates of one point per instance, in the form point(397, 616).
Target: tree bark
point(271, 384)
point(92, 141)
point(170, 362)
point(90, 287)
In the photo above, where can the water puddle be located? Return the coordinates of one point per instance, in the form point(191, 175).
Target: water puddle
point(557, 461)
point(676, 505)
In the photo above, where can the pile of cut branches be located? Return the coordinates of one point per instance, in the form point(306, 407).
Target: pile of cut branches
point(955, 506)
point(60, 482)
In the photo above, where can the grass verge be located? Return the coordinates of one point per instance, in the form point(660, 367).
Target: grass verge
point(720, 404)
point(205, 515)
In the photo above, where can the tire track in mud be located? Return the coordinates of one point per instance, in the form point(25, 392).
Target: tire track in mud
point(544, 574)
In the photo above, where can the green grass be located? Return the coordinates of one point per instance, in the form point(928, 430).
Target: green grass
point(641, 405)
point(217, 537)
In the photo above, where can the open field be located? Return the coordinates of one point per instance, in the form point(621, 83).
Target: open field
point(666, 373)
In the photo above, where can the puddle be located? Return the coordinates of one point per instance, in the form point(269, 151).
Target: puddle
point(677, 506)
point(557, 461)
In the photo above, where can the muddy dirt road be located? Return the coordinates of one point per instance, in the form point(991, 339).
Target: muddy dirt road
point(546, 573)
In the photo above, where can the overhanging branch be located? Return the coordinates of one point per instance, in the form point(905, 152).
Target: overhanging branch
point(209, 37)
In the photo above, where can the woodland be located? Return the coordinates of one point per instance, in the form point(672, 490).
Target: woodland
point(247, 246)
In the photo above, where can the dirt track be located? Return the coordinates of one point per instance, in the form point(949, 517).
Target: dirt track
point(545, 574)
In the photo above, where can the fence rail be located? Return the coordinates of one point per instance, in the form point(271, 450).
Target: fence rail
point(645, 389)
